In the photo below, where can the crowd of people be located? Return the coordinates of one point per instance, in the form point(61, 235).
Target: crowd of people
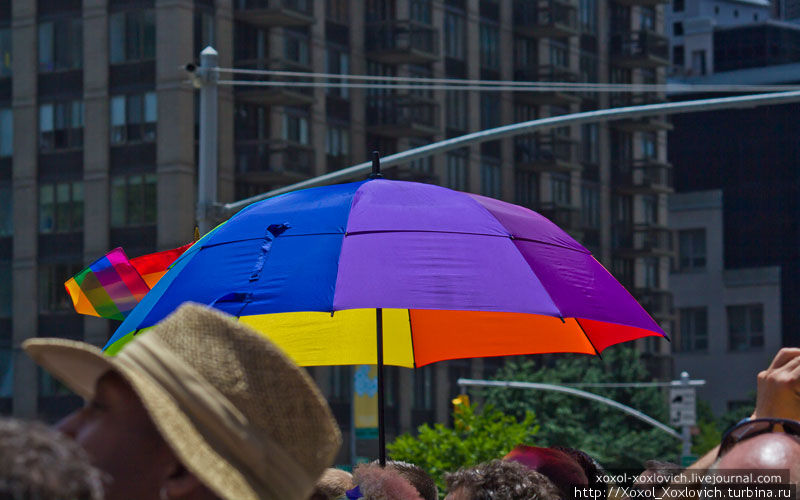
point(201, 407)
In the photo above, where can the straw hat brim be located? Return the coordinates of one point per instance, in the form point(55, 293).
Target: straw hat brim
point(79, 366)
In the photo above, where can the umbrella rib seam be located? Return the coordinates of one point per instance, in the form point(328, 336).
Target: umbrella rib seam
point(509, 236)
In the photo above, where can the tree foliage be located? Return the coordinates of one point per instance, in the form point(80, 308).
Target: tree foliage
point(615, 439)
point(477, 435)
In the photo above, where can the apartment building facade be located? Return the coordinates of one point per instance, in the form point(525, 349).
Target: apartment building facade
point(98, 141)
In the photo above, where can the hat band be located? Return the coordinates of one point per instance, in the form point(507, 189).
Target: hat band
point(229, 433)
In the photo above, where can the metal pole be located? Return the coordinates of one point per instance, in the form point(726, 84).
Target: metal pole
point(686, 431)
point(381, 421)
point(207, 171)
point(575, 392)
point(670, 108)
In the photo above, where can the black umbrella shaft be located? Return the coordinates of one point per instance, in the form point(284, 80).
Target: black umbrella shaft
point(381, 421)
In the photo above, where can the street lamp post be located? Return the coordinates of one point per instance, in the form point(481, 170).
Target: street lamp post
point(207, 163)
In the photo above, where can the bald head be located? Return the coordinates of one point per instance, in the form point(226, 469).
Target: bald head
point(773, 450)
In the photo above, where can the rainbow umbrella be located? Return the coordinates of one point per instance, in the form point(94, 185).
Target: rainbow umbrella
point(439, 274)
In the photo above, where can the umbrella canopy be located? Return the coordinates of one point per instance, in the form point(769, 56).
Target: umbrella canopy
point(457, 275)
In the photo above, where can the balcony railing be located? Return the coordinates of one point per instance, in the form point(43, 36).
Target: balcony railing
point(546, 151)
point(652, 123)
point(402, 115)
point(643, 48)
point(645, 175)
point(274, 161)
point(269, 13)
point(656, 301)
point(567, 217)
point(401, 42)
point(546, 18)
point(547, 73)
point(650, 239)
point(288, 95)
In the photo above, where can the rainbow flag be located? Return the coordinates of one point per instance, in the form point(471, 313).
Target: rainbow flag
point(109, 288)
point(155, 265)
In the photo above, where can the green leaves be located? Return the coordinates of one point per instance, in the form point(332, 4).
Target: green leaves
point(477, 435)
point(615, 439)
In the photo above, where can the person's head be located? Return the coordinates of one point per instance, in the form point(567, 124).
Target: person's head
point(415, 475)
point(500, 479)
point(333, 484)
point(39, 462)
point(556, 464)
point(199, 406)
point(770, 451)
point(381, 483)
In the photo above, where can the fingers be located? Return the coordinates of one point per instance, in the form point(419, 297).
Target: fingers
point(785, 355)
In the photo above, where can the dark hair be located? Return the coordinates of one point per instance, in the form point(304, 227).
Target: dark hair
point(39, 462)
point(416, 475)
point(502, 479)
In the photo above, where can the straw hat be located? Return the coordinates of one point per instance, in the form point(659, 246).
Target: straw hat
point(237, 412)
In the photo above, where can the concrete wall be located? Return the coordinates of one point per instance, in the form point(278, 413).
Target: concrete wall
point(730, 376)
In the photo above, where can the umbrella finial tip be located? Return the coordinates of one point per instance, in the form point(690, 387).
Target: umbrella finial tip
point(376, 166)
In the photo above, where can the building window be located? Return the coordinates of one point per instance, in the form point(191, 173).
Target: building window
point(455, 35)
point(295, 46)
point(456, 107)
point(559, 54)
point(677, 29)
point(60, 207)
point(649, 145)
point(5, 299)
point(52, 294)
point(6, 211)
point(755, 16)
point(5, 52)
point(745, 327)
point(490, 46)
point(650, 209)
point(133, 200)
point(337, 60)
point(647, 18)
point(337, 146)
point(691, 249)
point(336, 10)
point(590, 206)
point(60, 126)
point(677, 55)
point(588, 16)
point(132, 36)
point(590, 143)
point(677, 5)
point(490, 109)
point(699, 62)
point(133, 118)
point(424, 164)
point(694, 329)
point(526, 188)
point(295, 126)
point(623, 271)
point(60, 45)
point(6, 133)
point(251, 122)
point(457, 171)
point(735, 13)
point(490, 178)
point(421, 11)
point(423, 388)
point(652, 276)
point(560, 190)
